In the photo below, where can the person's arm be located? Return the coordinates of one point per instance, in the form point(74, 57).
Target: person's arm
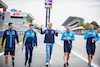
point(24, 39)
point(56, 32)
point(63, 38)
point(42, 32)
point(73, 36)
point(4, 36)
point(16, 36)
point(86, 35)
point(35, 39)
point(97, 36)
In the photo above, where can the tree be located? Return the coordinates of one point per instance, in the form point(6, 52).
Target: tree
point(95, 27)
point(95, 23)
point(87, 26)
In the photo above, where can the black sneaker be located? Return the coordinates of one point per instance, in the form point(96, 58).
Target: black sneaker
point(47, 64)
point(25, 63)
point(13, 63)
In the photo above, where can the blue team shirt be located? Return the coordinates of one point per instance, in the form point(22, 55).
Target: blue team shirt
point(94, 34)
point(30, 34)
point(68, 34)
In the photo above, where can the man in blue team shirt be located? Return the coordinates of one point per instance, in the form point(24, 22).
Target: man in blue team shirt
point(67, 37)
point(10, 34)
point(91, 36)
point(49, 40)
point(29, 40)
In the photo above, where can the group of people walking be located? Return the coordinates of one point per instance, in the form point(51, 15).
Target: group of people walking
point(30, 41)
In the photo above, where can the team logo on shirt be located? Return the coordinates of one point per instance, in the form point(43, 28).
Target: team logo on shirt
point(94, 33)
point(52, 32)
point(46, 32)
point(7, 32)
point(13, 33)
point(32, 34)
point(70, 34)
point(65, 34)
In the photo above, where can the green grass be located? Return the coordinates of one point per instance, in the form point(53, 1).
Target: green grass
point(20, 39)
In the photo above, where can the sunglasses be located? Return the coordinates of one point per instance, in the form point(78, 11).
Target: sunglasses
point(31, 25)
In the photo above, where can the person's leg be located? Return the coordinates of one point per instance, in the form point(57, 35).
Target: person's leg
point(47, 52)
point(13, 57)
point(51, 48)
point(30, 59)
point(12, 53)
point(89, 55)
point(6, 60)
point(6, 55)
point(26, 53)
point(65, 54)
point(93, 52)
point(65, 57)
point(31, 50)
point(68, 55)
point(89, 59)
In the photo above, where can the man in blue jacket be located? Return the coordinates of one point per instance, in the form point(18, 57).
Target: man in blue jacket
point(10, 35)
point(49, 40)
point(29, 40)
point(91, 36)
point(67, 37)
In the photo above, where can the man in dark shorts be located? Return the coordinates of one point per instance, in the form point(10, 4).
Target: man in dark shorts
point(67, 37)
point(91, 36)
point(10, 34)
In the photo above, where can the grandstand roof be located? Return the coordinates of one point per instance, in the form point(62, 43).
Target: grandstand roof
point(3, 5)
point(70, 19)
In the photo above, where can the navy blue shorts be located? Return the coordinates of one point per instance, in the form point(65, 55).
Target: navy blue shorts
point(11, 50)
point(90, 50)
point(67, 48)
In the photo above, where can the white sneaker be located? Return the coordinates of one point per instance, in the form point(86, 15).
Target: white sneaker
point(50, 62)
point(47, 64)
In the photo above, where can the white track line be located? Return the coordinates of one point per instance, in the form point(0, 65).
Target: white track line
point(16, 47)
point(78, 55)
point(1, 53)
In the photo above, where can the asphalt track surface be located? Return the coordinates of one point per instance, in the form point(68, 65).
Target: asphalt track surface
point(78, 56)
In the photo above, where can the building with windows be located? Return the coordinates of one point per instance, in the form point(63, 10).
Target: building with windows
point(21, 20)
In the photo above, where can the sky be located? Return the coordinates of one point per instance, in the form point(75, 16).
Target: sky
point(61, 10)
